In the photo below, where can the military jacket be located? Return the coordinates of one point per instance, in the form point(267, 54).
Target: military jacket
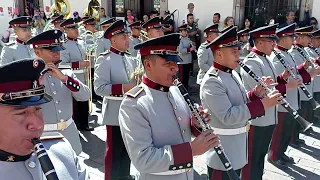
point(231, 107)
point(261, 66)
point(112, 69)
point(73, 55)
point(184, 50)
point(103, 45)
point(133, 41)
point(316, 80)
point(15, 51)
point(300, 60)
point(90, 42)
point(156, 130)
point(205, 60)
point(66, 163)
point(60, 108)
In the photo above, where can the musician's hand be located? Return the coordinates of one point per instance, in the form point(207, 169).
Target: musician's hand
point(55, 72)
point(306, 65)
point(272, 99)
point(286, 74)
point(204, 142)
point(192, 48)
point(127, 87)
point(268, 81)
point(294, 83)
point(85, 63)
point(204, 114)
point(315, 71)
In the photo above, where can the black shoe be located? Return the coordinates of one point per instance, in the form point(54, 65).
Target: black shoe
point(287, 159)
point(309, 131)
point(86, 129)
point(279, 164)
point(126, 178)
point(295, 145)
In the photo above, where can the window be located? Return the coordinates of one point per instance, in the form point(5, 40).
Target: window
point(119, 6)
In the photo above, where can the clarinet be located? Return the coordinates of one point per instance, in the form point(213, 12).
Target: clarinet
point(45, 162)
point(307, 58)
point(219, 150)
point(315, 49)
point(314, 103)
point(304, 124)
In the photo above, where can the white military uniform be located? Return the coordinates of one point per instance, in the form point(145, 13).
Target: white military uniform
point(112, 69)
point(133, 41)
point(60, 110)
point(316, 80)
point(103, 44)
point(156, 130)
point(15, 51)
point(66, 163)
point(205, 60)
point(231, 107)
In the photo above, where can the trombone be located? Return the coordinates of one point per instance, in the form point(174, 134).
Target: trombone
point(144, 35)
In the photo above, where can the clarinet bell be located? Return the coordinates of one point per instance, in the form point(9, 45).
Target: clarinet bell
point(304, 123)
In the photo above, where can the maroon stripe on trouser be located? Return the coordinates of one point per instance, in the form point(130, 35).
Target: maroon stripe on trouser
point(216, 175)
point(246, 170)
point(108, 155)
point(181, 72)
point(276, 137)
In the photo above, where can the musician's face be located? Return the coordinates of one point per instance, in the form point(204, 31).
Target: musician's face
point(72, 32)
point(244, 38)
point(135, 32)
point(287, 42)
point(23, 34)
point(19, 125)
point(120, 41)
point(266, 45)
point(155, 32)
point(228, 57)
point(304, 40)
point(160, 70)
point(184, 33)
point(48, 55)
point(316, 42)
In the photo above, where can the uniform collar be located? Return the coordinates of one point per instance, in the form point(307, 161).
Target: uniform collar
point(207, 41)
point(135, 36)
point(116, 51)
point(281, 48)
point(72, 39)
point(222, 68)
point(256, 51)
point(20, 41)
point(9, 157)
point(154, 85)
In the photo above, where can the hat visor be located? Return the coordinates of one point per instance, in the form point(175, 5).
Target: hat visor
point(173, 58)
point(25, 27)
point(274, 38)
point(30, 101)
point(55, 48)
point(76, 26)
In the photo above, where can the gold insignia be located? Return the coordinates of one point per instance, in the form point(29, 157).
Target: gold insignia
point(10, 159)
point(35, 84)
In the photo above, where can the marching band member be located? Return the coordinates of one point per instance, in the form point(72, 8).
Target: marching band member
point(111, 80)
point(243, 36)
point(62, 85)
point(205, 56)
point(75, 56)
point(316, 81)
point(286, 122)
point(153, 27)
point(82, 29)
point(261, 131)
point(22, 120)
point(160, 146)
point(303, 40)
point(18, 49)
point(135, 37)
point(56, 19)
point(185, 49)
point(230, 106)
point(103, 43)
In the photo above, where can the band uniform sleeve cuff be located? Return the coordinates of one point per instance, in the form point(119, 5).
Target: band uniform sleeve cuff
point(194, 130)
point(282, 88)
point(252, 95)
point(256, 108)
point(75, 65)
point(116, 90)
point(72, 84)
point(281, 80)
point(182, 156)
point(306, 78)
point(188, 50)
point(318, 61)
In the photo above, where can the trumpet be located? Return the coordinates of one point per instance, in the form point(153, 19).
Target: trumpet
point(144, 35)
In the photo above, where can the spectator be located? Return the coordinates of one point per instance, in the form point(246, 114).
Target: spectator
point(103, 17)
point(153, 14)
point(27, 12)
point(216, 20)
point(248, 23)
point(194, 36)
point(40, 22)
point(229, 21)
point(169, 22)
point(129, 19)
point(190, 11)
point(314, 23)
point(145, 18)
point(291, 18)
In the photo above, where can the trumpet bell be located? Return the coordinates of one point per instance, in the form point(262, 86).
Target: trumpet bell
point(61, 7)
point(93, 10)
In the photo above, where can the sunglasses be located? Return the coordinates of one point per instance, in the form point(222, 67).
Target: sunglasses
point(313, 23)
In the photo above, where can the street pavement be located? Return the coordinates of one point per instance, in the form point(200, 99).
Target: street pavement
point(307, 158)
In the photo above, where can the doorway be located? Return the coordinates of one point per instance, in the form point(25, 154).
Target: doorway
point(138, 7)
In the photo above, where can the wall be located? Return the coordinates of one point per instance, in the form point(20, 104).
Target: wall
point(315, 11)
point(204, 10)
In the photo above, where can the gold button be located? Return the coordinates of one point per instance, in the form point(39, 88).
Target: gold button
point(52, 84)
point(174, 168)
point(183, 131)
point(32, 164)
point(179, 118)
point(59, 111)
point(57, 102)
point(175, 107)
point(61, 120)
point(54, 92)
point(189, 164)
point(180, 167)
